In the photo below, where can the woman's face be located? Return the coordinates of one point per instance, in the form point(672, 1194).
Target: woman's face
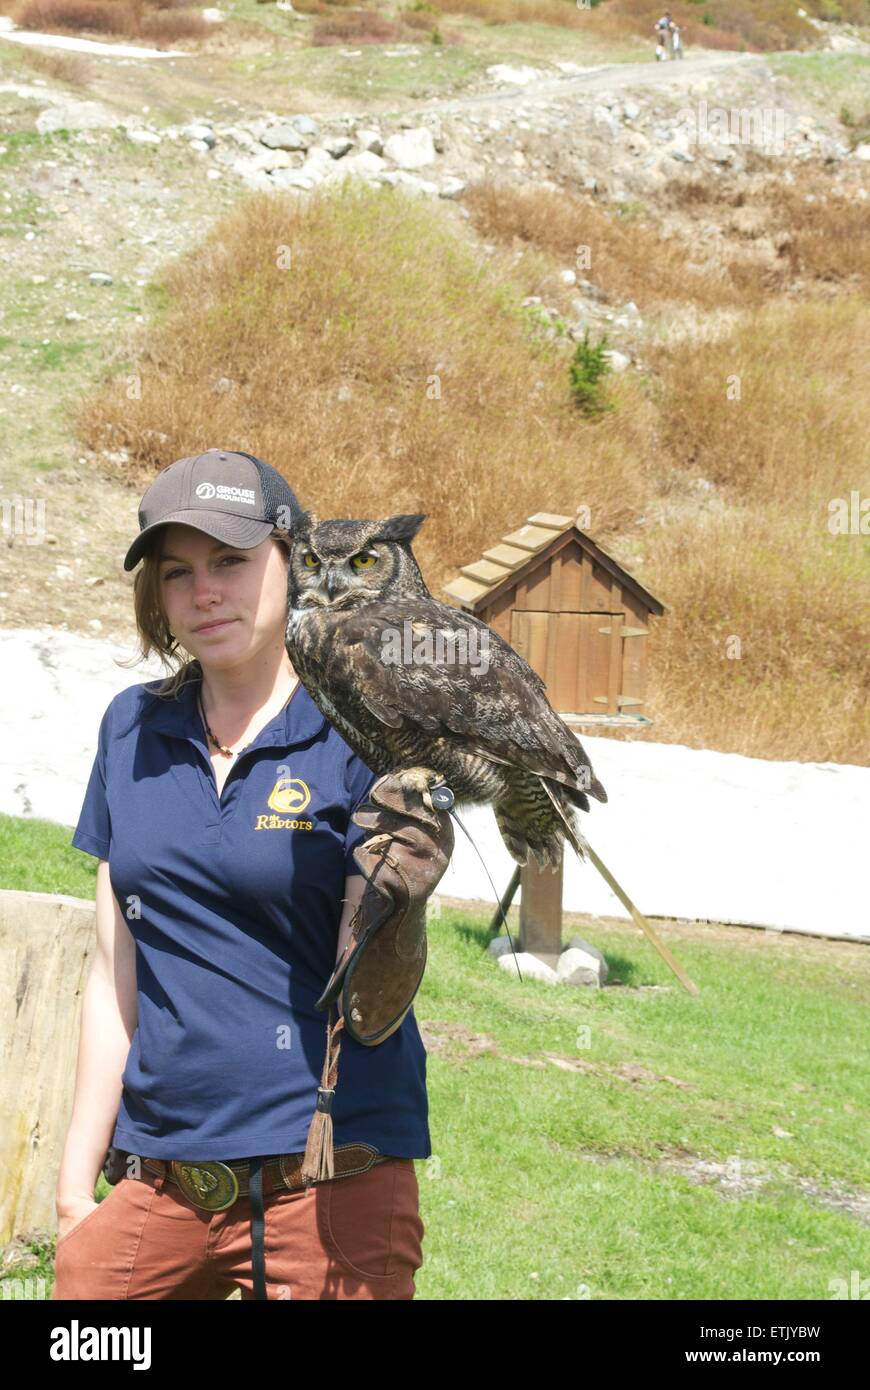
point(222, 604)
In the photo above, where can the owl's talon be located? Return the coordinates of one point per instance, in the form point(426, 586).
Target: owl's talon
point(419, 779)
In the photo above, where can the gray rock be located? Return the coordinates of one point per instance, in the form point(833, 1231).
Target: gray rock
point(289, 178)
point(267, 160)
point(370, 140)
point(593, 292)
point(317, 164)
point(99, 277)
point(200, 132)
point(305, 125)
point(338, 146)
point(530, 966)
point(285, 137)
point(77, 115)
point(498, 946)
point(365, 164)
point(240, 136)
point(617, 360)
point(411, 149)
point(452, 188)
point(399, 178)
point(581, 956)
point(252, 177)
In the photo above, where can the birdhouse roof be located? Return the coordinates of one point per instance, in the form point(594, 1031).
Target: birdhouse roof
point(520, 552)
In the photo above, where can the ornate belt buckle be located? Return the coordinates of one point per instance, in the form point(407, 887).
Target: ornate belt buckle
point(212, 1186)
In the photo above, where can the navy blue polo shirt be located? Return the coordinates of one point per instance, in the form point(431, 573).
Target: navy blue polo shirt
point(234, 905)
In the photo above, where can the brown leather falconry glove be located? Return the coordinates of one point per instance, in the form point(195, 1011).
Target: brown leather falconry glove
point(381, 968)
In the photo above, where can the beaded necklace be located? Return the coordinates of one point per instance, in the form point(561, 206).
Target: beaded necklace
point(228, 752)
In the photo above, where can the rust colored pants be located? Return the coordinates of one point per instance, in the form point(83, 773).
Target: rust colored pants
point(357, 1237)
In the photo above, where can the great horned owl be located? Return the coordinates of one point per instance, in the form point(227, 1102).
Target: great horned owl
point(411, 683)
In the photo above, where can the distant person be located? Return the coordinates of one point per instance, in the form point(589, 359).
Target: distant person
point(664, 29)
point(676, 42)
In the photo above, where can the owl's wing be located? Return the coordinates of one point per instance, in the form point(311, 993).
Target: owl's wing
point(481, 688)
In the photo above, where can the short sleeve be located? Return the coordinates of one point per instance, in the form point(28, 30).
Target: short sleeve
point(358, 778)
point(94, 831)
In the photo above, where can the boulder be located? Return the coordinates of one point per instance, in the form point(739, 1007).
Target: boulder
point(411, 149)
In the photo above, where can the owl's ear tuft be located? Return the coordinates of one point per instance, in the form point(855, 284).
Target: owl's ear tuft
point(400, 528)
point(304, 524)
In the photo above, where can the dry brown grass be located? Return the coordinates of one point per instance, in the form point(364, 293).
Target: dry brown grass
point(562, 13)
point(72, 68)
point(760, 564)
point(821, 234)
point(95, 16)
point(764, 651)
point(355, 26)
point(732, 24)
point(828, 239)
point(629, 259)
point(814, 245)
point(385, 300)
point(452, 409)
point(158, 20)
point(790, 437)
point(419, 19)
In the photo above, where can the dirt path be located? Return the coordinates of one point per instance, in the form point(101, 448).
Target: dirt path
point(611, 77)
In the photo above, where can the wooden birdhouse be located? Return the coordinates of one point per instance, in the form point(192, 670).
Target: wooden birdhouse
point(579, 619)
point(582, 622)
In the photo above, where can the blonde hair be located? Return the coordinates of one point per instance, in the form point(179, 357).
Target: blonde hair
point(152, 626)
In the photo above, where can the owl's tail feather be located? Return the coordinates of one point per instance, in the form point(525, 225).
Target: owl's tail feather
point(546, 850)
point(577, 840)
point(572, 832)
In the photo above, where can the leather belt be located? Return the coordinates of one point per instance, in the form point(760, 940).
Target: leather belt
point(215, 1186)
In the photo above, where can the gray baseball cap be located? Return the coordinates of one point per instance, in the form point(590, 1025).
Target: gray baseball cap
point(234, 497)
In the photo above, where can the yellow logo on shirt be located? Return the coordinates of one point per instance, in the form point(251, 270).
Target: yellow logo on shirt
point(289, 794)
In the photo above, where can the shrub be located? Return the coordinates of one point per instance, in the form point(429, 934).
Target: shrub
point(588, 365)
point(356, 26)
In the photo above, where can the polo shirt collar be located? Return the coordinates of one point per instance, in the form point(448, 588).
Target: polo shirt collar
point(297, 723)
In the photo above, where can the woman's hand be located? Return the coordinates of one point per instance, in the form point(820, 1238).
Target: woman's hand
point(73, 1212)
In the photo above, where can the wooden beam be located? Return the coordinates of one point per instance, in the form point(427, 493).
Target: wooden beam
point(541, 912)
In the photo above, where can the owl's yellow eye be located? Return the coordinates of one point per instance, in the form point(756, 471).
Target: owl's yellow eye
point(363, 561)
point(310, 560)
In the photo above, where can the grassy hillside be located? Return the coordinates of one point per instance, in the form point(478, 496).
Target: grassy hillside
point(757, 25)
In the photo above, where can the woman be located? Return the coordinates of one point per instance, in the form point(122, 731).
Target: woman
point(218, 807)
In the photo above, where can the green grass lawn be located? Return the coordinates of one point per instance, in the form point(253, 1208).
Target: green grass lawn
point(570, 1127)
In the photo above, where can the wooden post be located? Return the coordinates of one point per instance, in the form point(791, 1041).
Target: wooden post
point(541, 912)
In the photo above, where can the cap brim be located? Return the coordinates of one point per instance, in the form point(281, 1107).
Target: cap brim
point(240, 531)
